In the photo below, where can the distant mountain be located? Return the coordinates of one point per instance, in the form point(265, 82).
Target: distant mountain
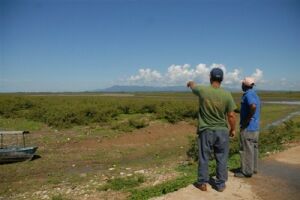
point(136, 88)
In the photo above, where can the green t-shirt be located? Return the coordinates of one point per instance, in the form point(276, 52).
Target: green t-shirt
point(214, 104)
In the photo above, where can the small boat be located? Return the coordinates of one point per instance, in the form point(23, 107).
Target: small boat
point(15, 153)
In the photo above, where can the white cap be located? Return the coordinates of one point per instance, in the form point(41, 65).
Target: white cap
point(248, 81)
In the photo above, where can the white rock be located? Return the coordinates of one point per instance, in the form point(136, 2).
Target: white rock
point(156, 183)
point(68, 191)
point(111, 169)
point(45, 197)
point(38, 192)
point(140, 172)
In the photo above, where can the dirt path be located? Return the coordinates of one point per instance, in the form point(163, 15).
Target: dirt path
point(278, 179)
point(236, 189)
point(290, 156)
point(279, 176)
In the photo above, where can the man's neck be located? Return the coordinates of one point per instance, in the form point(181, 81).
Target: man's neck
point(215, 84)
point(246, 90)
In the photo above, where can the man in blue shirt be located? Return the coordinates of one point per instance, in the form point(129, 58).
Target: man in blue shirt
point(249, 126)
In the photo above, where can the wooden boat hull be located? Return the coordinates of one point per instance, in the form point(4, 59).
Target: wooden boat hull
point(9, 155)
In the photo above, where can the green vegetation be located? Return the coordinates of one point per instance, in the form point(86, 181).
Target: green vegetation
point(123, 183)
point(81, 137)
point(70, 111)
point(271, 140)
point(275, 137)
point(19, 124)
point(161, 189)
point(79, 110)
point(59, 197)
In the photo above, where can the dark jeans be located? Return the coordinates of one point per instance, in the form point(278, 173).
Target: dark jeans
point(216, 141)
point(249, 151)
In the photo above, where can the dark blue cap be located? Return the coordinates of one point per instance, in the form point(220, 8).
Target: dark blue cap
point(216, 74)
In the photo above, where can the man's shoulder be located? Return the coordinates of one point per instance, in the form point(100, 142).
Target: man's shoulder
point(201, 87)
point(251, 93)
point(226, 92)
point(252, 96)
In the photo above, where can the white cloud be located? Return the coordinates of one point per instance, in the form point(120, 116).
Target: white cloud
point(232, 77)
point(145, 76)
point(180, 74)
point(202, 73)
point(258, 76)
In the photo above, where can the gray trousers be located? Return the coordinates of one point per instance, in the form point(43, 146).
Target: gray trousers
point(249, 151)
point(216, 141)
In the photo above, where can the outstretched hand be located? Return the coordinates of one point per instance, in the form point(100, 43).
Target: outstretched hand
point(191, 84)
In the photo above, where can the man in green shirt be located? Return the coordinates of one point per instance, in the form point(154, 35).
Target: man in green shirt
point(216, 107)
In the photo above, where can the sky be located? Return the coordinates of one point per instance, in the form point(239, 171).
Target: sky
point(80, 45)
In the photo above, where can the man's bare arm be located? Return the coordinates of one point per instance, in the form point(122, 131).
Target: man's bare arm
point(232, 122)
point(250, 115)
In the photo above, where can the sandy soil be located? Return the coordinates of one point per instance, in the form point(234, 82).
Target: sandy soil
point(278, 178)
point(289, 156)
point(235, 189)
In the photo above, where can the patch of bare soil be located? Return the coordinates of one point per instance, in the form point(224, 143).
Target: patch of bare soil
point(279, 176)
point(278, 179)
point(289, 156)
point(235, 189)
point(94, 158)
point(140, 137)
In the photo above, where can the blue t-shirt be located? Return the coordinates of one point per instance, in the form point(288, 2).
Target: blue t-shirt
point(248, 98)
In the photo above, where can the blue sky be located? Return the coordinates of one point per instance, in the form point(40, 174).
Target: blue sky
point(75, 45)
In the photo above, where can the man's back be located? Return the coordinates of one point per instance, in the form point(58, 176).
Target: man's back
point(214, 104)
point(250, 97)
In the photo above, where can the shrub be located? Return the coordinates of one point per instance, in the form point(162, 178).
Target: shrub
point(138, 122)
point(192, 152)
point(149, 108)
point(122, 126)
point(68, 111)
point(59, 197)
